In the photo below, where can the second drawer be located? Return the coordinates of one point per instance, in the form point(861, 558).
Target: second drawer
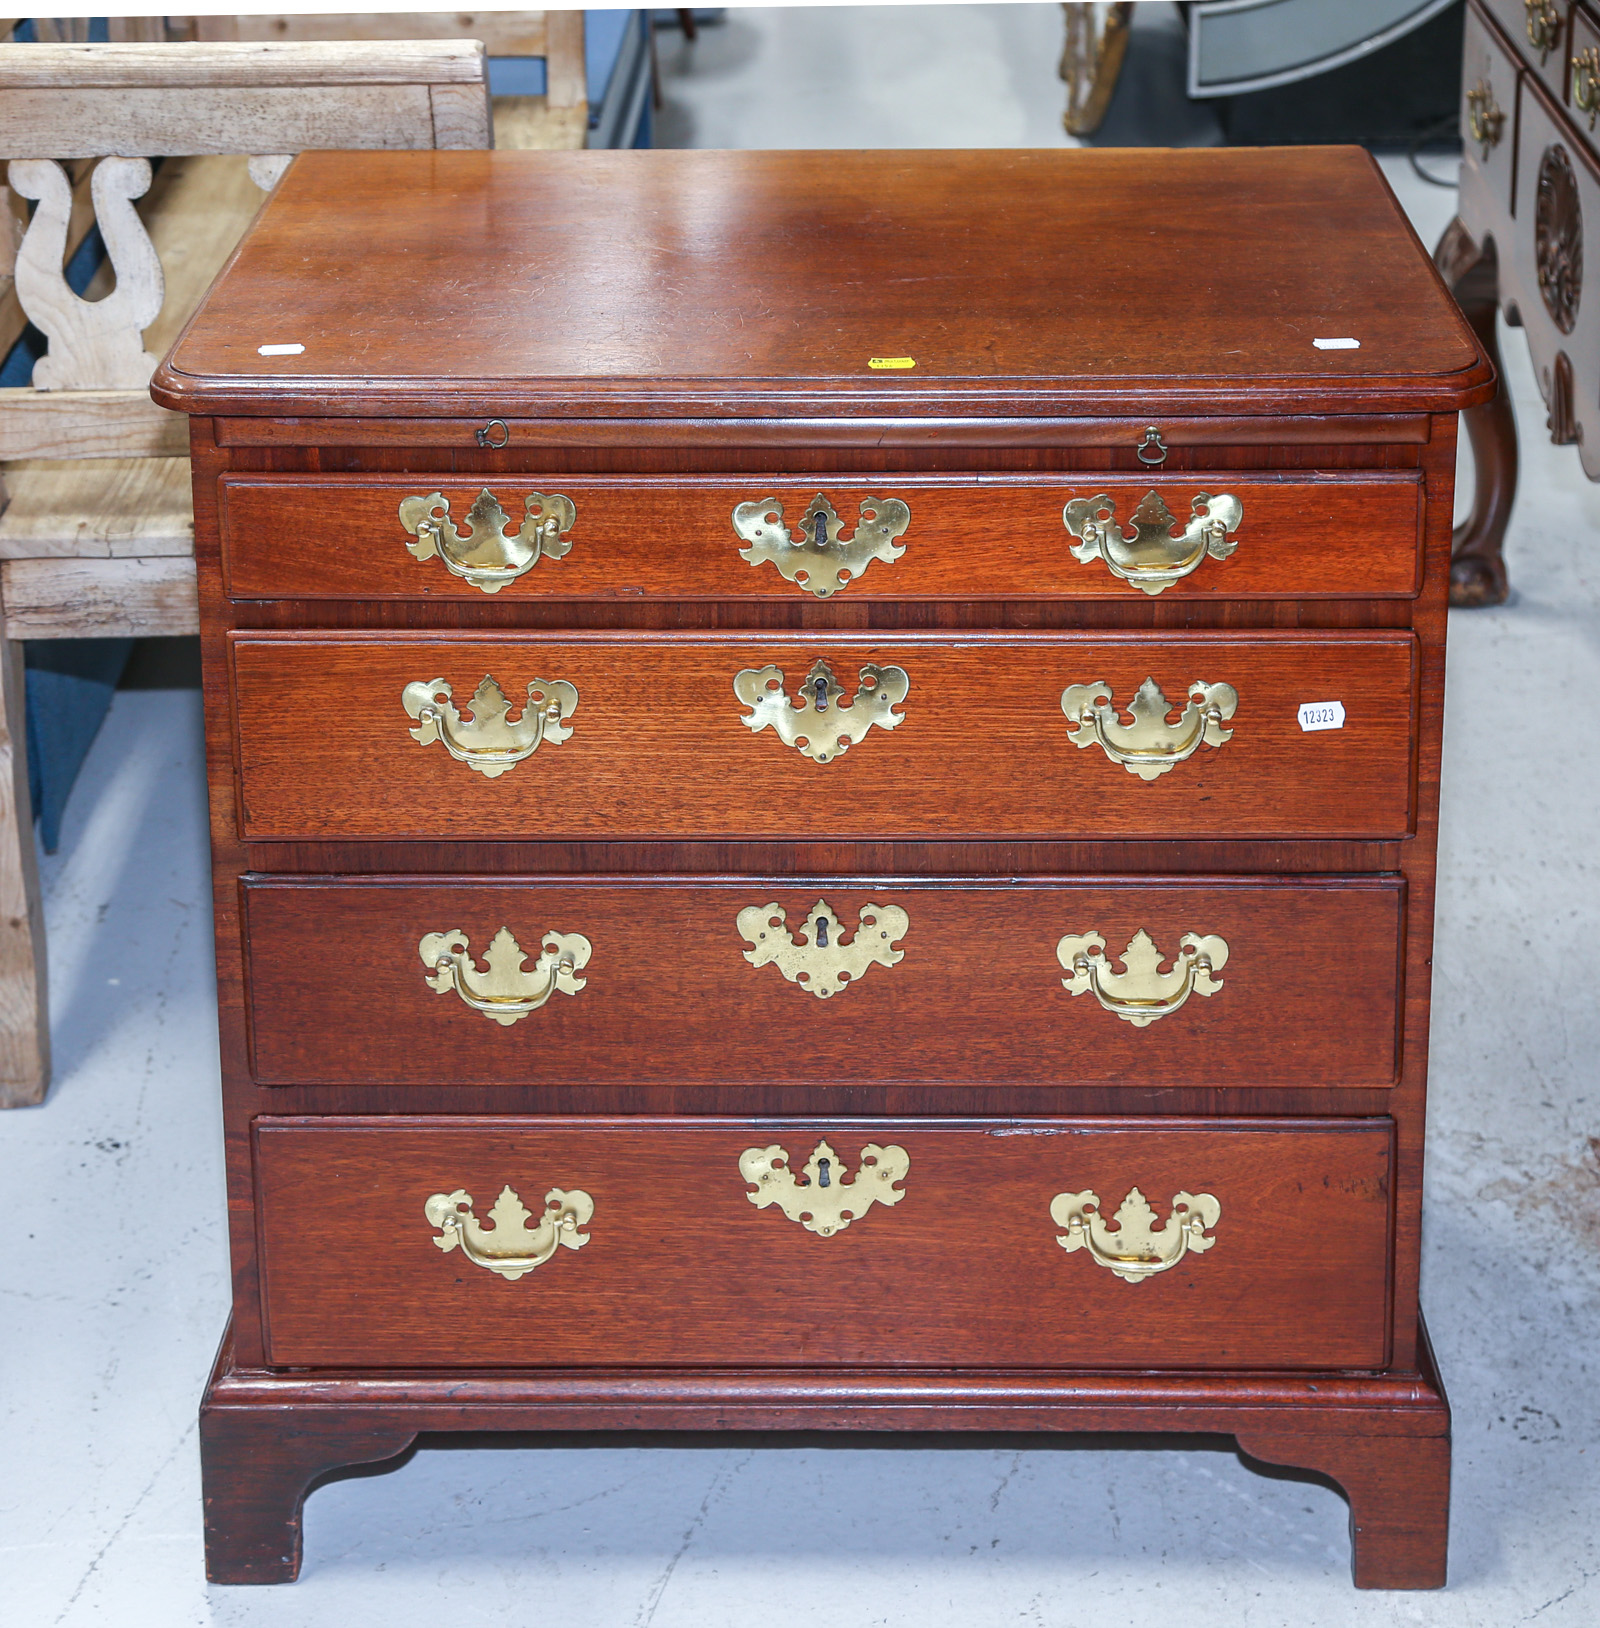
point(436, 983)
point(618, 736)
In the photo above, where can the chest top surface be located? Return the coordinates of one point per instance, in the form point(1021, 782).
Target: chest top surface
point(729, 283)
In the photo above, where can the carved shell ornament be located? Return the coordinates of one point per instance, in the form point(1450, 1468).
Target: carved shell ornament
point(1558, 238)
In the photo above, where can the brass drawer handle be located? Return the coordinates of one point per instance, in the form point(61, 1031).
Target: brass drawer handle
point(511, 1247)
point(487, 557)
point(1485, 120)
point(1543, 24)
point(823, 561)
point(489, 743)
point(820, 1199)
point(817, 725)
point(1138, 1249)
point(821, 962)
point(1585, 83)
point(1142, 992)
point(1149, 746)
point(1146, 553)
point(505, 993)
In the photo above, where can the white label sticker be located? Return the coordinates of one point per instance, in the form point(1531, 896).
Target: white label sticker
point(1337, 344)
point(1322, 715)
point(280, 350)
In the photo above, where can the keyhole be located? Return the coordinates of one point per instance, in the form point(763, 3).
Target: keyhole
point(822, 944)
point(819, 529)
point(820, 685)
point(823, 1176)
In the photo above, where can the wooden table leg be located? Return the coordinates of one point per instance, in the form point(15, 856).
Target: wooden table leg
point(24, 1013)
point(1399, 1493)
point(1477, 567)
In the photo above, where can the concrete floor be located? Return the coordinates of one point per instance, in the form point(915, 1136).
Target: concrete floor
point(114, 1278)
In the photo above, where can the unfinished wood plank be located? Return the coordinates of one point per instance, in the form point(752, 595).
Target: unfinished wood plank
point(94, 344)
point(24, 1012)
point(566, 80)
point(105, 508)
point(88, 424)
point(196, 211)
point(261, 119)
point(504, 33)
point(199, 65)
point(98, 599)
point(530, 123)
point(461, 117)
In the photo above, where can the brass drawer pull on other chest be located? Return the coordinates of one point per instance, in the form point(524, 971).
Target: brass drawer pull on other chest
point(1149, 746)
point(1147, 552)
point(510, 1246)
point(821, 961)
point(1543, 24)
point(1485, 119)
point(820, 1199)
point(505, 993)
point(488, 742)
point(1142, 992)
point(822, 561)
point(1138, 1249)
point(1585, 83)
point(822, 725)
point(486, 556)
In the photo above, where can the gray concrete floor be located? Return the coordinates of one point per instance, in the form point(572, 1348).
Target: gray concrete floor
point(114, 1281)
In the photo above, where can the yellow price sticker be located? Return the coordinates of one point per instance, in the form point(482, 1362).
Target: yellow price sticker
point(881, 362)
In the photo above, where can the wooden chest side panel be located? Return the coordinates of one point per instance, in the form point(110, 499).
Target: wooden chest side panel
point(337, 991)
point(973, 536)
point(660, 747)
point(681, 1268)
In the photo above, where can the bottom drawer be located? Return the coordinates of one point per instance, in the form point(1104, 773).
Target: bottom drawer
point(402, 1242)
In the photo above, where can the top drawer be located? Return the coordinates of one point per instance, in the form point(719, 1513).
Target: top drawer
point(1201, 534)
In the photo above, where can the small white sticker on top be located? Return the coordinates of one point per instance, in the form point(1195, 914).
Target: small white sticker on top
point(280, 350)
point(1337, 344)
point(1321, 715)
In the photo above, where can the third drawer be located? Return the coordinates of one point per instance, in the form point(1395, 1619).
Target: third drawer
point(437, 982)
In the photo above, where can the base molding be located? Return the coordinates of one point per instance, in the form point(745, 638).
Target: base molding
point(267, 1437)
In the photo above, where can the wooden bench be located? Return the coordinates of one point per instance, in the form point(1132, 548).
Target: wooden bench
point(96, 534)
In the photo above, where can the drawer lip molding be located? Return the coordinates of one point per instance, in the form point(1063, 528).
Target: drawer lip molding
point(971, 989)
point(664, 749)
point(1305, 534)
point(1296, 1278)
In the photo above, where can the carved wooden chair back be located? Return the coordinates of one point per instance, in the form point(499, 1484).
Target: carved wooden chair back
point(104, 546)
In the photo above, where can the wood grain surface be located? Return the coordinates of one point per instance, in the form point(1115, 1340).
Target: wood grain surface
point(681, 1268)
point(679, 280)
point(970, 537)
point(337, 992)
point(659, 745)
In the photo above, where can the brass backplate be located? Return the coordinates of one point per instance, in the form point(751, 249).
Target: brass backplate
point(822, 725)
point(823, 560)
point(821, 1199)
point(1149, 552)
point(486, 739)
point(485, 554)
point(1149, 746)
point(509, 1245)
point(1142, 992)
point(503, 991)
point(822, 961)
point(1137, 1249)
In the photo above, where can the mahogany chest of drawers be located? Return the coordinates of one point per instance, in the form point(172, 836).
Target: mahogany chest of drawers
point(824, 779)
